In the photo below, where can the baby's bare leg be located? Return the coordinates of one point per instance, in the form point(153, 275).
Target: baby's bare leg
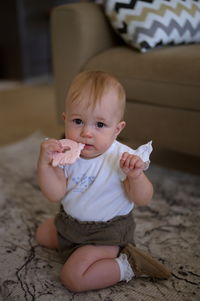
point(91, 267)
point(46, 234)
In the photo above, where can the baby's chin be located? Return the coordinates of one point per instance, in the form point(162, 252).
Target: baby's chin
point(88, 154)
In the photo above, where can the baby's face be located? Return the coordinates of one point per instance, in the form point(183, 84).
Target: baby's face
point(96, 127)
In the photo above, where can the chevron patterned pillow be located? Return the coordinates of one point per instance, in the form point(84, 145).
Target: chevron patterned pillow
point(146, 24)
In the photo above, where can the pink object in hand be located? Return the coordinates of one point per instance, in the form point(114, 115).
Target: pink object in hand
point(70, 154)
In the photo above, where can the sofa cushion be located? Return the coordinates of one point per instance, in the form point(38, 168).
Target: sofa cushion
point(169, 77)
point(148, 24)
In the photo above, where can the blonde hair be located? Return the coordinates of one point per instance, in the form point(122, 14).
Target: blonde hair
point(95, 84)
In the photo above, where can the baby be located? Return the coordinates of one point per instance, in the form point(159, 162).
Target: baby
point(94, 229)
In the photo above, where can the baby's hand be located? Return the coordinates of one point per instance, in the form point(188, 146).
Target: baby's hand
point(131, 165)
point(48, 148)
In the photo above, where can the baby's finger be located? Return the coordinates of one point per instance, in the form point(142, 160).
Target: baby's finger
point(139, 164)
point(124, 156)
point(130, 162)
point(52, 145)
point(123, 159)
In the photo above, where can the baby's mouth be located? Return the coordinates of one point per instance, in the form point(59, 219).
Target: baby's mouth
point(88, 146)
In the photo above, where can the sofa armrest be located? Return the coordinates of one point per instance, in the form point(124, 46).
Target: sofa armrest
point(79, 31)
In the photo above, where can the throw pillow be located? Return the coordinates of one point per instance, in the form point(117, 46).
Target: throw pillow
point(146, 24)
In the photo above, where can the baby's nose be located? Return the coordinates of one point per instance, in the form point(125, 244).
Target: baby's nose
point(86, 131)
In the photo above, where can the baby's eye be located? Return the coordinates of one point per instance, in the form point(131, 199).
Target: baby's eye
point(77, 121)
point(100, 124)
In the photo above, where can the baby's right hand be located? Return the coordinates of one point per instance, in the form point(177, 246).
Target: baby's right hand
point(48, 147)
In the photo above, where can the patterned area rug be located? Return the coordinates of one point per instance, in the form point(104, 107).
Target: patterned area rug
point(168, 229)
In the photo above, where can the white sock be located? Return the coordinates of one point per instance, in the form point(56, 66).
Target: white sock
point(126, 272)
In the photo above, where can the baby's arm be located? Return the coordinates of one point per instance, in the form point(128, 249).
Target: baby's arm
point(137, 185)
point(51, 179)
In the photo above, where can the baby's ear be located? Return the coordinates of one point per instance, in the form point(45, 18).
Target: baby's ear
point(120, 127)
point(64, 116)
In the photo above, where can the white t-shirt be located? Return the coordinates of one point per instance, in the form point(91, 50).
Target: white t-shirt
point(95, 189)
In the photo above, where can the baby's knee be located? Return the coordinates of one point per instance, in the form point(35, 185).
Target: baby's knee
point(46, 234)
point(71, 280)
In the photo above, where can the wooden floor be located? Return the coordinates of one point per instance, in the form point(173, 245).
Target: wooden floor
point(25, 109)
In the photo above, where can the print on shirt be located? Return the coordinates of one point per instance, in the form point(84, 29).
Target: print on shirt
point(82, 182)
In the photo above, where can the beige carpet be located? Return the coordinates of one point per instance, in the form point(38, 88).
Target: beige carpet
point(168, 229)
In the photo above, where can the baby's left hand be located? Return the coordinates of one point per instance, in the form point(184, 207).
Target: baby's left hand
point(131, 165)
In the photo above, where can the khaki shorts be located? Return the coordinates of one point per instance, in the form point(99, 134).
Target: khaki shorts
point(73, 234)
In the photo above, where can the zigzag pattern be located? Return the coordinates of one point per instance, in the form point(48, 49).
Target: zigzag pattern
point(168, 30)
point(130, 5)
point(152, 22)
point(163, 9)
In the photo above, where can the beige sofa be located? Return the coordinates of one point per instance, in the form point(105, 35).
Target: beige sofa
point(163, 86)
